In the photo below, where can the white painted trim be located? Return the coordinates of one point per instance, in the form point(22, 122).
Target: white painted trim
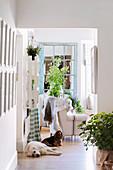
point(21, 144)
point(13, 162)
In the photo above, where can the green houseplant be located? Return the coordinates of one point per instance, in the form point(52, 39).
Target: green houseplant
point(98, 131)
point(55, 78)
point(78, 107)
point(33, 51)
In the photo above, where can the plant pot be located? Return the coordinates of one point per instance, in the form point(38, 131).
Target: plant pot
point(33, 57)
point(100, 156)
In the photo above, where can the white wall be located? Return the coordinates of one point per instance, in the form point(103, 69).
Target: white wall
point(8, 11)
point(8, 155)
point(70, 36)
point(76, 14)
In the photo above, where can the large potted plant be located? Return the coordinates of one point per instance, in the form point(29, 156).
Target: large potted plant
point(56, 78)
point(98, 131)
point(33, 51)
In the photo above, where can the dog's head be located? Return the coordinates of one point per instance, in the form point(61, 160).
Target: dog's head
point(33, 153)
point(58, 134)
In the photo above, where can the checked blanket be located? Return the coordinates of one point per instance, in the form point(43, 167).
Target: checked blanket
point(34, 134)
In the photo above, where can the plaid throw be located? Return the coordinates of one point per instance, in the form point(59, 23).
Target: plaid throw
point(34, 134)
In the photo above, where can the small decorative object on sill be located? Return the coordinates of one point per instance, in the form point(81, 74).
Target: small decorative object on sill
point(33, 51)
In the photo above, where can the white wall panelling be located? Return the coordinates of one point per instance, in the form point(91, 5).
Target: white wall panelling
point(7, 67)
point(8, 119)
point(2, 41)
point(13, 49)
point(10, 47)
point(6, 44)
point(3, 87)
point(9, 91)
point(5, 91)
point(0, 93)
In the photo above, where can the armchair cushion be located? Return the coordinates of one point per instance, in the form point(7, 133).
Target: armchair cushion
point(70, 116)
point(80, 117)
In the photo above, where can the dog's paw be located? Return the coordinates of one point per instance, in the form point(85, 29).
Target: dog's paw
point(60, 153)
point(60, 144)
point(54, 148)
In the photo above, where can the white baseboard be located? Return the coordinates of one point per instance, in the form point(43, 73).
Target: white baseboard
point(13, 162)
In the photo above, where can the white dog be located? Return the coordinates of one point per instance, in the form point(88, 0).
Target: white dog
point(35, 149)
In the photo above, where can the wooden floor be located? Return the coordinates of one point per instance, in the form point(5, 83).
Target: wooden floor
point(74, 157)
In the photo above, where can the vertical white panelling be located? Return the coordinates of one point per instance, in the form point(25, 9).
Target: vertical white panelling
point(10, 47)
point(7, 90)
point(13, 48)
point(6, 45)
point(10, 89)
point(8, 157)
point(13, 90)
point(3, 87)
point(2, 42)
point(0, 93)
point(9, 75)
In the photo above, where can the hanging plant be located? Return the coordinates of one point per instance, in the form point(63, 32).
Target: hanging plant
point(33, 51)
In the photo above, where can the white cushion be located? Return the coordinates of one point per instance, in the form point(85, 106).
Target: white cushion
point(80, 117)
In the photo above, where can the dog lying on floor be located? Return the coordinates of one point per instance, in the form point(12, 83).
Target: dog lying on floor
point(35, 149)
point(55, 140)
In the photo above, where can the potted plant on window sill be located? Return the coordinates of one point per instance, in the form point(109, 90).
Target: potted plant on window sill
point(78, 108)
point(33, 51)
point(98, 131)
point(55, 78)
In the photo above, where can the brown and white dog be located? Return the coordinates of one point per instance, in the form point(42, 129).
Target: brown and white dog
point(55, 140)
point(35, 149)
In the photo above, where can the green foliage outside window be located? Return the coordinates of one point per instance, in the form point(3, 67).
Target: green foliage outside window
point(56, 78)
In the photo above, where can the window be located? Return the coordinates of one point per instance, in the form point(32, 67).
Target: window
point(68, 54)
point(87, 62)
